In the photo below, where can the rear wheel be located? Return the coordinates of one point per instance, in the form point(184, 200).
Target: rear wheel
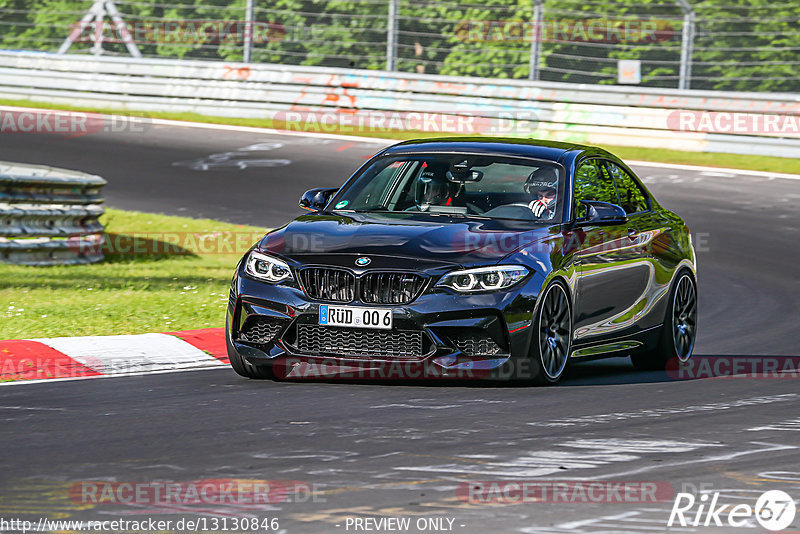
point(679, 331)
point(552, 335)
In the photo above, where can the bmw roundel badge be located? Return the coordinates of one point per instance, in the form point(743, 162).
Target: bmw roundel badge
point(363, 261)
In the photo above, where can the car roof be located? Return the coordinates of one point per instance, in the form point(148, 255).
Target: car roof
point(512, 146)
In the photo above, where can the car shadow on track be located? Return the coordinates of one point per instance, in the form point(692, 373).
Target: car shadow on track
point(597, 372)
point(701, 366)
point(610, 371)
point(618, 371)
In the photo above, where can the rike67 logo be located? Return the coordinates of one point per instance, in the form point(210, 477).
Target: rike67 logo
point(774, 510)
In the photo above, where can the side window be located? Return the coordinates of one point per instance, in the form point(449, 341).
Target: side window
point(631, 197)
point(368, 194)
point(592, 182)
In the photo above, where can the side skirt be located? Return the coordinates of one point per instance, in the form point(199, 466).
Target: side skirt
point(616, 347)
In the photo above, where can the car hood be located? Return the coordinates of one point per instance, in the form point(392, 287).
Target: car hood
point(337, 238)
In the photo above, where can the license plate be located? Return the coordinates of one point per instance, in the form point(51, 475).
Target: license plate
point(355, 317)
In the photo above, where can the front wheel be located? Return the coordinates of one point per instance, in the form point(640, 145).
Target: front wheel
point(679, 331)
point(245, 368)
point(552, 335)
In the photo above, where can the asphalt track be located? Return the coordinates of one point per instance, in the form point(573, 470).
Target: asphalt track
point(371, 450)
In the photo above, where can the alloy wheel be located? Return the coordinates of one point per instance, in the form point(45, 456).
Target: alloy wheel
point(684, 317)
point(555, 331)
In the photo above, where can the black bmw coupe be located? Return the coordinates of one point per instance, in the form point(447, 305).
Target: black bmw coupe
point(468, 257)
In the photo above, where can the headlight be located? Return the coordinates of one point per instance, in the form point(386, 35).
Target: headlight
point(267, 268)
point(484, 278)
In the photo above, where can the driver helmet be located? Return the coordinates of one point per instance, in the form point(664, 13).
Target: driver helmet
point(432, 187)
point(543, 180)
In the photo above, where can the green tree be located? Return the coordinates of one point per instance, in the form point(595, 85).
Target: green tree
point(741, 45)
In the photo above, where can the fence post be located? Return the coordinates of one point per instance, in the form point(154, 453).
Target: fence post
point(391, 37)
point(248, 32)
point(687, 44)
point(536, 39)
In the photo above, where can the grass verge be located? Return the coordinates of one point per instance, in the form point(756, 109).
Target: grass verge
point(169, 273)
point(733, 161)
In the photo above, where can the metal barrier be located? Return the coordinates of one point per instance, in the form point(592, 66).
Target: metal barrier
point(590, 114)
point(49, 216)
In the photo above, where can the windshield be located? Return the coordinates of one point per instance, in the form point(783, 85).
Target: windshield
point(470, 185)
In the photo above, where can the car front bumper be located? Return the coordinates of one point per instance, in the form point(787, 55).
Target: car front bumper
point(463, 336)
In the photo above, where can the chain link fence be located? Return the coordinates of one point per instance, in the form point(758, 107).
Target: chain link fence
point(735, 45)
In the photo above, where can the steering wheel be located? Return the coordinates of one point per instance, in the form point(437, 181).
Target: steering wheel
point(518, 209)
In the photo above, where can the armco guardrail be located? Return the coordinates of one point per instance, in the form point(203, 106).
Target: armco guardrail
point(592, 114)
point(49, 216)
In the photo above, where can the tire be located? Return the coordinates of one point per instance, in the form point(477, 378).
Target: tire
point(551, 338)
point(679, 330)
point(245, 368)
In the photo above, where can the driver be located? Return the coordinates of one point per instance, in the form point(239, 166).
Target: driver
point(433, 188)
point(542, 185)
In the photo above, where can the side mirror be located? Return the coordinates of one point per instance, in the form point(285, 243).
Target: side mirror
point(596, 213)
point(316, 199)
